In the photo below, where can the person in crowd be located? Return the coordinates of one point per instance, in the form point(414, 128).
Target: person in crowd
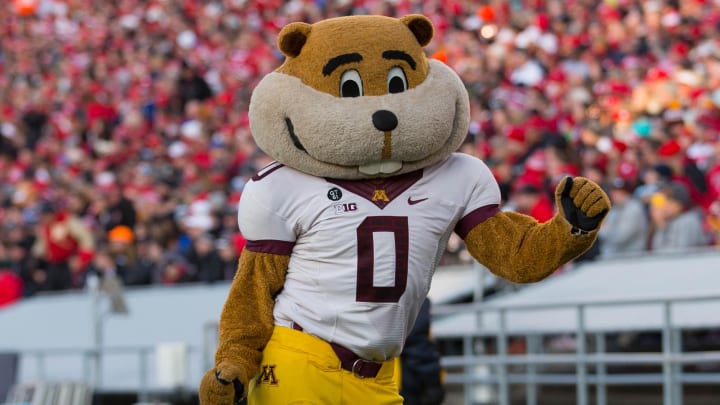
point(11, 285)
point(147, 265)
point(653, 179)
point(626, 230)
point(121, 245)
point(191, 86)
point(105, 271)
point(229, 256)
point(175, 269)
point(420, 370)
point(205, 258)
point(530, 200)
point(103, 265)
point(120, 210)
point(60, 237)
point(677, 224)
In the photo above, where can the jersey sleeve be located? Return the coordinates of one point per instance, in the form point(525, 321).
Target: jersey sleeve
point(263, 218)
point(483, 200)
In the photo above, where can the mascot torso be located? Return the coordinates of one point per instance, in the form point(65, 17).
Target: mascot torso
point(364, 187)
point(352, 243)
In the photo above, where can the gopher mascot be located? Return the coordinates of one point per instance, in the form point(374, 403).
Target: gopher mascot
point(346, 227)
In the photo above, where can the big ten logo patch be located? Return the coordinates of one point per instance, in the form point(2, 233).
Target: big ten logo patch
point(347, 207)
point(267, 375)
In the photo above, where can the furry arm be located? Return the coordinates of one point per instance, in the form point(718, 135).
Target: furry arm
point(246, 324)
point(518, 248)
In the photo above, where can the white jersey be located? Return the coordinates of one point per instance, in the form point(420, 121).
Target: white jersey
point(362, 253)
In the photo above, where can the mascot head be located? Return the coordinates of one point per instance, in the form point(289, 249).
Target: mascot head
point(357, 98)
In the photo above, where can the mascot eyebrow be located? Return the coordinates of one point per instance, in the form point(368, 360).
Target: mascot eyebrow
point(339, 60)
point(346, 58)
point(400, 55)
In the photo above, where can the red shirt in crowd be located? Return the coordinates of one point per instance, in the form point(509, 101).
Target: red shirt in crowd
point(11, 287)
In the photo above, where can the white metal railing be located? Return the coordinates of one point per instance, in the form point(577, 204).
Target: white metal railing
point(91, 375)
point(671, 358)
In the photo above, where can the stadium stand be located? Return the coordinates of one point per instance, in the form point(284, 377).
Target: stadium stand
point(128, 120)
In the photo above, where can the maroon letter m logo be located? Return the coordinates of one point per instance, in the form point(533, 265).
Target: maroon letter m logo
point(267, 375)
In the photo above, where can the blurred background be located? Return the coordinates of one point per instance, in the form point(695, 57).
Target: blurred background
point(125, 146)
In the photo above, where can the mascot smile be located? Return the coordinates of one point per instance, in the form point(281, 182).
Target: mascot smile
point(346, 227)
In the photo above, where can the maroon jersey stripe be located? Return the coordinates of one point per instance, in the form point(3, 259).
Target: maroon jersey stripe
point(277, 247)
point(477, 216)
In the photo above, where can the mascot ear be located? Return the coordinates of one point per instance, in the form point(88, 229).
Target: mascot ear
point(292, 38)
point(420, 26)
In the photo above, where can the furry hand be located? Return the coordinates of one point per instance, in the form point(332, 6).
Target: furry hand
point(582, 202)
point(221, 386)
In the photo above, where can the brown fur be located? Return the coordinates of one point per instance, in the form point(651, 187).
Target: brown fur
point(246, 322)
point(516, 247)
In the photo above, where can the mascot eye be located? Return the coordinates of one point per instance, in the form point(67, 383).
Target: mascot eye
point(396, 80)
point(351, 84)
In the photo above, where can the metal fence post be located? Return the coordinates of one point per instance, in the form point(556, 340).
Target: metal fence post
point(677, 368)
point(533, 347)
point(601, 370)
point(468, 369)
point(41, 365)
point(502, 348)
point(143, 391)
point(581, 372)
point(87, 356)
point(667, 349)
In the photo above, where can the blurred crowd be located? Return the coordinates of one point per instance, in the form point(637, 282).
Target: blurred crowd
point(124, 139)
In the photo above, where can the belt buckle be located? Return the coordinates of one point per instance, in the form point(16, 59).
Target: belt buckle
point(356, 370)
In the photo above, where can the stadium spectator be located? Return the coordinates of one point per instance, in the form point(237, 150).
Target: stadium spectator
point(205, 258)
point(121, 246)
point(103, 266)
point(420, 370)
point(654, 178)
point(147, 266)
point(11, 285)
point(190, 86)
point(118, 209)
point(175, 269)
point(625, 231)
point(229, 256)
point(677, 225)
point(530, 200)
point(60, 237)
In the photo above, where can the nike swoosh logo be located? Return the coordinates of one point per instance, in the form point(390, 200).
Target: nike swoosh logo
point(413, 202)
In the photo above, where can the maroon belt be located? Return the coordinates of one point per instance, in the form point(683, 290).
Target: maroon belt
point(350, 361)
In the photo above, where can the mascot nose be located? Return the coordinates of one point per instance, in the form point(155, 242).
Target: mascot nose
point(384, 120)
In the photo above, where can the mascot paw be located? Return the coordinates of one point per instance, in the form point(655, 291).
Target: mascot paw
point(221, 386)
point(582, 202)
